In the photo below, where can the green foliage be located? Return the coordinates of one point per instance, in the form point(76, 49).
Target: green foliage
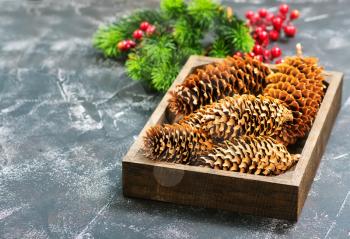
point(220, 49)
point(163, 76)
point(238, 37)
point(183, 36)
point(181, 28)
point(173, 8)
point(152, 60)
point(233, 33)
point(203, 12)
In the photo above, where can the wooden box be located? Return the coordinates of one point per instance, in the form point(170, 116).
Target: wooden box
point(280, 196)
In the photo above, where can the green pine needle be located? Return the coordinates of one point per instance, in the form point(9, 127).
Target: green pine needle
point(106, 40)
point(241, 39)
point(220, 49)
point(203, 12)
point(184, 36)
point(173, 8)
point(135, 66)
point(163, 76)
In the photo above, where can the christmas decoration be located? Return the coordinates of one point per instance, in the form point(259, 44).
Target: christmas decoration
point(266, 26)
point(165, 38)
point(253, 155)
point(298, 82)
point(235, 75)
point(240, 115)
point(175, 143)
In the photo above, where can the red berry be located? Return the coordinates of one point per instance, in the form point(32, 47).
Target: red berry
point(269, 17)
point(260, 29)
point(254, 19)
point(131, 43)
point(276, 52)
point(267, 54)
point(265, 43)
point(259, 58)
point(258, 50)
point(251, 54)
point(277, 23)
point(150, 30)
point(274, 35)
point(278, 61)
point(262, 12)
point(294, 15)
point(263, 36)
point(284, 8)
point(290, 30)
point(121, 46)
point(138, 34)
point(144, 26)
point(249, 14)
point(238, 53)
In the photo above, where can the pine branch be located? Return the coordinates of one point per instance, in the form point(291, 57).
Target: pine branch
point(203, 12)
point(163, 76)
point(241, 38)
point(185, 34)
point(107, 37)
point(234, 33)
point(173, 8)
point(220, 49)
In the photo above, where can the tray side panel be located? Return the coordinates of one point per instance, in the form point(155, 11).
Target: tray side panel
point(210, 190)
point(318, 137)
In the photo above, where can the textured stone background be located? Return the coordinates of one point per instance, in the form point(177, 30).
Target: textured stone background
point(67, 117)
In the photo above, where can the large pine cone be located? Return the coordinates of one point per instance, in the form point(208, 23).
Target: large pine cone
point(175, 143)
point(239, 115)
point(260, 155)
point(299, 84)
point(235, 75)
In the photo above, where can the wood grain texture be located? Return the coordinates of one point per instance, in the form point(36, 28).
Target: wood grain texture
point(280, 196)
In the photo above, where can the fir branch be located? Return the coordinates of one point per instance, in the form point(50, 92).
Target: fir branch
point(173, 8)
point(220, 49)
point(185, 34)
point(203, 12)
point(163, 75)
point(241, 39)
point(107, 37)
point(135, 66)
point(235, 33)
point(160, 49)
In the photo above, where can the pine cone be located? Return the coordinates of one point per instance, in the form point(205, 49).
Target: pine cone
point(260, 155)
point(174, 143)
point(235, 75)
point(299, 84)
point(239, 115)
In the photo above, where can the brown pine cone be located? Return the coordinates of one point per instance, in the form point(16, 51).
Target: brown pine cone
point(235, 75)
point(298, 82)
point(174, 143)
point(239, 115)
point(260, 155)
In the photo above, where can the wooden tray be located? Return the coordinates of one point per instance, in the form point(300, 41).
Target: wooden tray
point(280, 196)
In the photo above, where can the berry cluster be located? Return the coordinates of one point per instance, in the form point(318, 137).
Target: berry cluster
point(267, 27)
point(145, 28)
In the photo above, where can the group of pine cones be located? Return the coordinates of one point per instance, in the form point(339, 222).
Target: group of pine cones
point(239, 115)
